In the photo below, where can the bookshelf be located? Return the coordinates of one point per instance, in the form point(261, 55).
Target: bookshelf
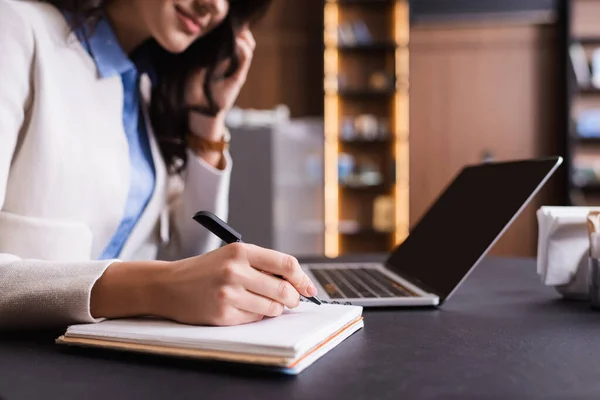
point(583, 101)
point(366, 67)
point(368, 47)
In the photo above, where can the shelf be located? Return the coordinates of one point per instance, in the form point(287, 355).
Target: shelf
point(365, 188)
point(362, 2)
point(590, 40)
point(376, 46)
point(365, 93)
point(589, 90)
point(380, 140)
point(363, 77)
point(588, 140)
point(365, 232)
point(588, 188)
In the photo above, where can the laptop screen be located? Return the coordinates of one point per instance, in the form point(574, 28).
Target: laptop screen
point(467, 218)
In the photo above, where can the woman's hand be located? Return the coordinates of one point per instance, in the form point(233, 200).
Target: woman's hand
point(227, 287)
point(223, 287)
point(224, 90)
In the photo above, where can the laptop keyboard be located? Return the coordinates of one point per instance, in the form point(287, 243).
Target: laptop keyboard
point(352, 283)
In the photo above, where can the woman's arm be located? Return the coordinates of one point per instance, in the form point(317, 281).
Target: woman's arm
point(44, 294)
point(32, 293)
point(223, 287)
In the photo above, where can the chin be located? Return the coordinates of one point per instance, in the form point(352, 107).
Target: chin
point(176, 43)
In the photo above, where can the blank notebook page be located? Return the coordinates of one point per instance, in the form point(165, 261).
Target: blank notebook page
point(288, 335)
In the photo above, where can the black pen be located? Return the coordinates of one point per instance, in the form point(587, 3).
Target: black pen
point(224, 232)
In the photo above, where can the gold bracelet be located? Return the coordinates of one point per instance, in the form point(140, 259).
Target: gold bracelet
point(200, 144)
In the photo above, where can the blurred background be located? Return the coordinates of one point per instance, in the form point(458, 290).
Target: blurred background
point(357, 114)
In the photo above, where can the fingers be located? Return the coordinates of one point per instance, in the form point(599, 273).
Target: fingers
point(194, 93)
point(258, 305)
point(237, 316)
point(278, 263)
point(246, 45)
point(247, 36)
point(221, 70)
point(245, 56)
point(270, 287)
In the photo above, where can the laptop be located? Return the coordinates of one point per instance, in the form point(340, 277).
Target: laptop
point(448, 242)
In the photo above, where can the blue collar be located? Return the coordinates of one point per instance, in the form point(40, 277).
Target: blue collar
point(106, 51)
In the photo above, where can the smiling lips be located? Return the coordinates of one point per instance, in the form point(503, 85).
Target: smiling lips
point(192, 26)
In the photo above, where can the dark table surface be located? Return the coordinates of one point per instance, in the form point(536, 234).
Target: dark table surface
point(502, 335)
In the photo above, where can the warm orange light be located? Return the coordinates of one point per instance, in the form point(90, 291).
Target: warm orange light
point(401, 121)
point(331, 189)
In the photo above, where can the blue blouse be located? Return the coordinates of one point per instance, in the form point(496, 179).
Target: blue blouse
point(111, 60)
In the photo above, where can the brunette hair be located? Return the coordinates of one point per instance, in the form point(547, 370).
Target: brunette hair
point(168, 109)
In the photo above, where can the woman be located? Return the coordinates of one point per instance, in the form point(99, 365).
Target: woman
point(111, 137)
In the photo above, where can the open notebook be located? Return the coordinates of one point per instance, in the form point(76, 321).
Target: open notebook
point(289, 343)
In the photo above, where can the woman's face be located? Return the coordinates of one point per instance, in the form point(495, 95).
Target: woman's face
point(176, 24)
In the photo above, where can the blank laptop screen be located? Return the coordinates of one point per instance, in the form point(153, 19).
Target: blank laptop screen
point(465, 220)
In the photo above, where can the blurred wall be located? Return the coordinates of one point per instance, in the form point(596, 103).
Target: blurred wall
point(288, 60)
point(484, 90)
